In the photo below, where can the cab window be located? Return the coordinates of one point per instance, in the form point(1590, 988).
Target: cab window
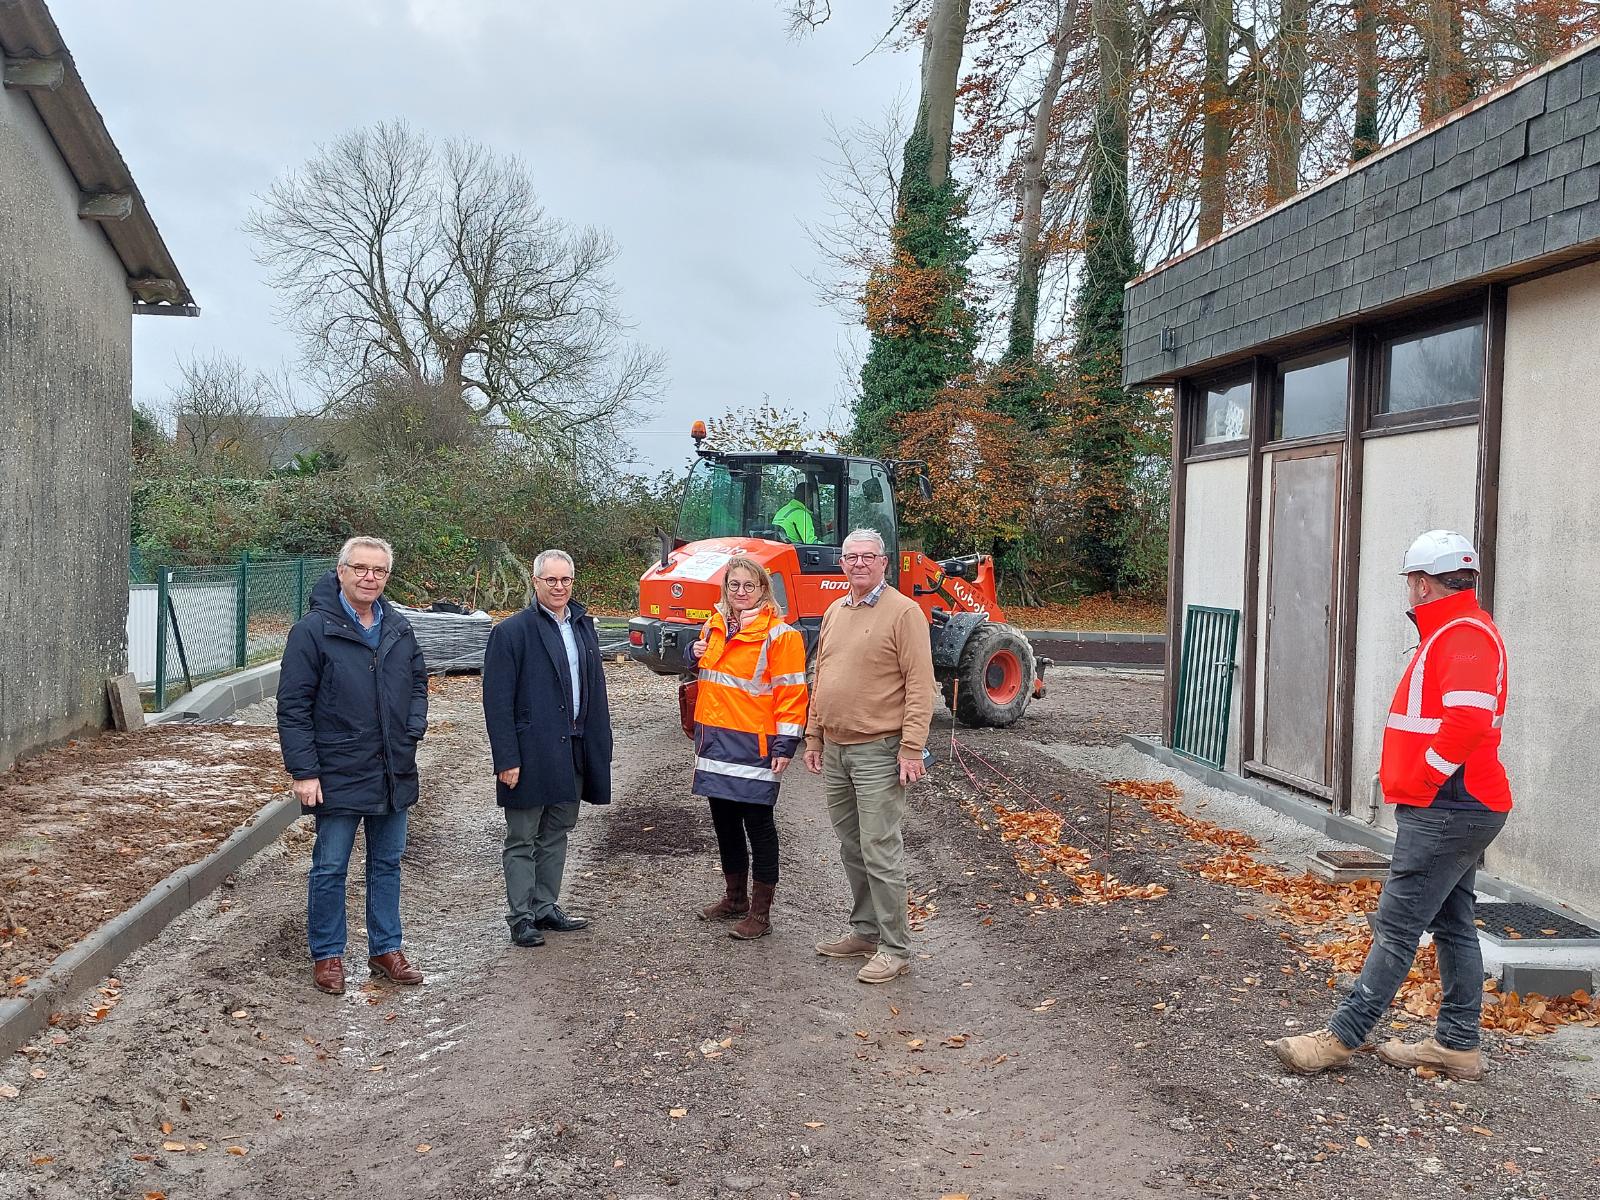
point(870, 503)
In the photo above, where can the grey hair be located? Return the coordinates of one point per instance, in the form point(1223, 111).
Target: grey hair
point(865, 535)
point(546, 555)
point(370, 543)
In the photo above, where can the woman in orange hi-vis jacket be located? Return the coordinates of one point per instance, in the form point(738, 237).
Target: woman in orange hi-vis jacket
point(750, 718)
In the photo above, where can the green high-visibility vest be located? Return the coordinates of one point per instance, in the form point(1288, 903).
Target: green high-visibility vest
point(794, 518)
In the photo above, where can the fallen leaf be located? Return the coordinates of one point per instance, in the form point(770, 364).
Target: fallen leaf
point(956, 1040)
point(1479, 1129)
point(813, 1124)
point(166, 1127)
point(19, 980)
point(197, 1146)
point(38, 1073)
point(390, 1016)
point(893, 1011)
point(1045, 1005)
point(1363, 1143)
point(954, 1196)
point(239, 1150)
point(7, 1092)
point(44, 1160)
point(155, 1196)
point(917, 1043)
point(675, 1113)
point(240, 1014)
point(277, 1114)
point(423, 1147)
point(144, 1158)
point(862, 1034)
point(175, 1147)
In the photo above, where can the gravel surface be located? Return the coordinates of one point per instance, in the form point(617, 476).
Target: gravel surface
point(1109, 1051)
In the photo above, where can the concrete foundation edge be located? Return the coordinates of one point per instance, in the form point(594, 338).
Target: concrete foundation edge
point(1314, 816)
point(221, 698)
point(84, 965)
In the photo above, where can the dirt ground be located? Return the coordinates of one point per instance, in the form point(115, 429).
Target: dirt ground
point(87, 829)
point(1110, 1051)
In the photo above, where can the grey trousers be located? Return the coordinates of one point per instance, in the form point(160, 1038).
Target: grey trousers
point(867, 805)
point(534, 857)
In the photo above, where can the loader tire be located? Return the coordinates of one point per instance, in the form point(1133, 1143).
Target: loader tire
point(995, 677)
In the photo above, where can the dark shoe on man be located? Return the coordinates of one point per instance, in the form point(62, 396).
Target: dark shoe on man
point(526, 933)
point(558, 922)
point(1312, 1053)
point(734, 904)
point(394, 967)
point(328, 975)
point(1457, 1064)
point(851, 945)
point(759, 919)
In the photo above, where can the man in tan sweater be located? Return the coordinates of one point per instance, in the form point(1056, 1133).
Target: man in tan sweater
point(871, 706)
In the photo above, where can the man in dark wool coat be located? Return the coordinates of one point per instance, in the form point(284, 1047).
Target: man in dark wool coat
point(544, 702)
point(352, 706)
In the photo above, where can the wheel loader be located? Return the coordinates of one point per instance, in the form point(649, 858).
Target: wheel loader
point(790, 510)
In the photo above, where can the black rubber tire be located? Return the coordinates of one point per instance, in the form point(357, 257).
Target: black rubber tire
point(982, 657)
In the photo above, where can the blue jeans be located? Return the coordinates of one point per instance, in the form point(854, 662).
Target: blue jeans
point(1430, 886)
point(325, 898)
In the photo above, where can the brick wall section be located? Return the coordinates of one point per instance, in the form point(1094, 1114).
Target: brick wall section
point(1515, 180)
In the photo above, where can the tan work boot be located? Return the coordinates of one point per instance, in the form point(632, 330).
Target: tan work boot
point(851, 945)
point(883, 968)
point(1457, 1064)
point(1312, 1053)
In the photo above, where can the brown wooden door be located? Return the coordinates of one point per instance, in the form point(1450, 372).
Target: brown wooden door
point(1303, 544)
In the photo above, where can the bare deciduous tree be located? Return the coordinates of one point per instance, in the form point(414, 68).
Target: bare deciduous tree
point(862, 178)
point(436, 264)
point(229, 420)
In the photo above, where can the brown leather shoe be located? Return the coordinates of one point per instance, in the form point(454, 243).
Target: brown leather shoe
point(735, 902)
point(394, 967)
point(328, 975)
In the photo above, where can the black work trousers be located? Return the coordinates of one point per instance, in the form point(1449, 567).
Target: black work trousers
point(736, 822)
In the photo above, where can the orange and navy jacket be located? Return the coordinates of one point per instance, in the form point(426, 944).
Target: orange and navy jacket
point(1441, 747)
point(751, 707)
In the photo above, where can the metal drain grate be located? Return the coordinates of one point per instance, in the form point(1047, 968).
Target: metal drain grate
point(1505, 920)
point(1354, 860)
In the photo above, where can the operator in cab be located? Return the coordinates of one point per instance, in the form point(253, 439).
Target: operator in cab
point(794, 519)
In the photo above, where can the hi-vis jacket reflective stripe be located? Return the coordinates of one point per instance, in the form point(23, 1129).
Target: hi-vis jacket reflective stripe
point(1442, 743)
point(751, 707)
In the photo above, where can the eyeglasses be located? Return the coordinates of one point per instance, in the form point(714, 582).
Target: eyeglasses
point(360, 572)
point(860, 558)
point(748, 585)
point(556, 581)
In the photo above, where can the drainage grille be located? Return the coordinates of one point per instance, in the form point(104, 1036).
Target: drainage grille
point(1505, 920)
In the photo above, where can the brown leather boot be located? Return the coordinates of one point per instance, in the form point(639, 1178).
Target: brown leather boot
point(759, 921)
point(328, 975)
point(393, 966)
point(733, 905)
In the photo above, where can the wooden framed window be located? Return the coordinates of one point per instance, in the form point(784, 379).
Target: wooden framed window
point(1430, 375)
point(1219, 417)
point(1312, 395)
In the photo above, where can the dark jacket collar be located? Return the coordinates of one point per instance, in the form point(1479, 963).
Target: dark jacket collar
point(325, 602)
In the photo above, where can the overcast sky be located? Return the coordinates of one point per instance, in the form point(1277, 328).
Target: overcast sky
point(693, 130)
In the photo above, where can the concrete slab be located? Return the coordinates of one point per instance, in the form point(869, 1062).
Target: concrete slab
point(127, 713)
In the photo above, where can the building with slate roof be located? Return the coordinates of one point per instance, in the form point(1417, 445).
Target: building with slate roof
point(1412, 344)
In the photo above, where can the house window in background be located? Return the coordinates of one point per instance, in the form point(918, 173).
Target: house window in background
point(1311, 397)
point(1223, 410)
point(1434, 374)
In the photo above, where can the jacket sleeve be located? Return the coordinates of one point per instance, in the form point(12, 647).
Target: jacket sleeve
point(298, 680)
point(1469, 678)
point(417, 722)
point(786, 670)
point(915, 645)
point(501, 666)
point(814, 710)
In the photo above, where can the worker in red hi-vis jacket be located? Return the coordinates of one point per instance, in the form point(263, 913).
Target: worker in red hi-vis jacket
point(1441, 769)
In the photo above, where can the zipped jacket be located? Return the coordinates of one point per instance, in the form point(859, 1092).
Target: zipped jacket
point(751, 707)
point(1441, 746)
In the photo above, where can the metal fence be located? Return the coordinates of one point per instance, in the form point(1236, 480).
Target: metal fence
point(187, 624)
point(1205, 684)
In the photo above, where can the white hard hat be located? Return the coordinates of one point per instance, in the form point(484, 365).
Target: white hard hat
point(1439, 552)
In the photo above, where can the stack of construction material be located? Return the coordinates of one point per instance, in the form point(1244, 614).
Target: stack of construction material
point(452, 638)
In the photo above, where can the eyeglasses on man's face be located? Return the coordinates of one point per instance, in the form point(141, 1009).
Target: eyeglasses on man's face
point(360, 571)
point(861, 558)
point(556, 581)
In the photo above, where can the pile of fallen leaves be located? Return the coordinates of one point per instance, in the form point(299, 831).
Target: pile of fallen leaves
point(1102, 612)
point(1335, 913)
point(1041, 829)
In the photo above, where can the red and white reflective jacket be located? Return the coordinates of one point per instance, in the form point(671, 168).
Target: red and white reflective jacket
point(1442, 744)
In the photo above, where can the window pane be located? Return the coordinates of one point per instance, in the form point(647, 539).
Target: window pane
point(1433, 369)
point(1227, 414)
point(1311, 400)
point(869, 504)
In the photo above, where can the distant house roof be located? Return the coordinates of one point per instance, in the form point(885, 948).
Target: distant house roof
point(1503, 188)
point(37, 64)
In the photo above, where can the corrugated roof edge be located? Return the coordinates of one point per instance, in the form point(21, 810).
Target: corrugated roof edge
point(27, 30)
point(1416, 135)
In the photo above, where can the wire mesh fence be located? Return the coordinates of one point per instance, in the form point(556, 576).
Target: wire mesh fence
point(187, 624)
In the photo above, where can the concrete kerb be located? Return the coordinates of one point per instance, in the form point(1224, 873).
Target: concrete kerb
point(98, 955)
point(1321, 820)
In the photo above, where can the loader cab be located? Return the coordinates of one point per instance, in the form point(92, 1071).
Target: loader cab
point(811, 501)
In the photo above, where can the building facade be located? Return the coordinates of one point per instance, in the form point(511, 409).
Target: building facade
point(79, 255)
point(1410, 345)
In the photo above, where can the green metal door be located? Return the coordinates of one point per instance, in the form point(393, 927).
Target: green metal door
point(1205, 684)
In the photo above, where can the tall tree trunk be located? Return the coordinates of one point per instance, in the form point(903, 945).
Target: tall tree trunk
point(1286, 94)
point(1030, 251)
point(942, 47)
point(1448, 82)
point(1364, 136)
point(1216, 121)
